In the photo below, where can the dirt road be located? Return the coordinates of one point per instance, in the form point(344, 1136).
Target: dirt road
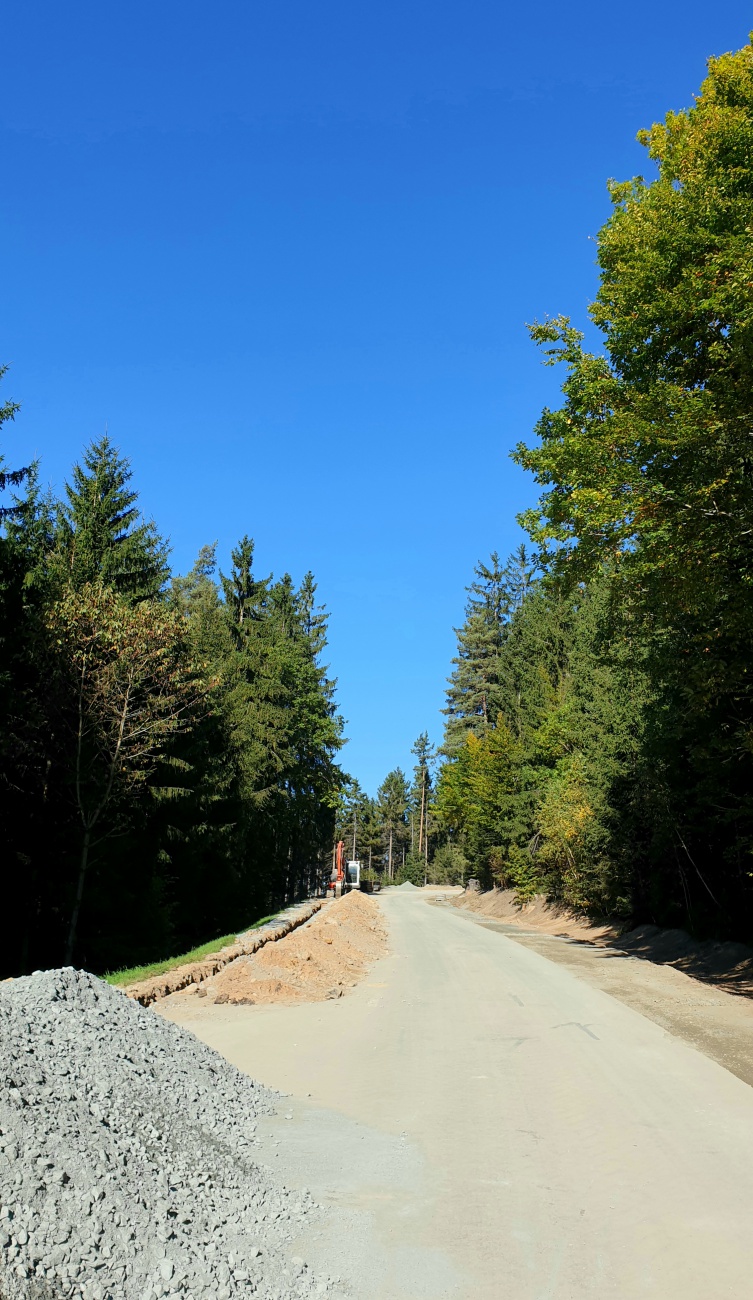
point(485, 1125)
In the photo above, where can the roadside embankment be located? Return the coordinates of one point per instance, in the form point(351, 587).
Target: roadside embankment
point(726, 964)
point(181, 977)
point(535, 914)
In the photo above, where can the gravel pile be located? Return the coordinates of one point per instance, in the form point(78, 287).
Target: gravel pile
point(127, 1157)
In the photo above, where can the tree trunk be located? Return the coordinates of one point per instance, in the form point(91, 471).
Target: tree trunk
point(82, 868)
point(389, 859)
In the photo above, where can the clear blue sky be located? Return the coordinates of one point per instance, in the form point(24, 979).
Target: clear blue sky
point(285, 250)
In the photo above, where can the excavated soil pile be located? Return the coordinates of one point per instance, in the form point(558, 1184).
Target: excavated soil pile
point(161, 986)
point(320, 960)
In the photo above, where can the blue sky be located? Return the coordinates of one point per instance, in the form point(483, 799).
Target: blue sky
point(286, 252)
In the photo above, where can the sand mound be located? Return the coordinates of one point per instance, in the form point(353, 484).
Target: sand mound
point(318, 961)
point(407, 884)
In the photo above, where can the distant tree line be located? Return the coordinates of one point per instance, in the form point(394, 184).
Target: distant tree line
point(599, 741)
point(400, 834)
point(167, 744)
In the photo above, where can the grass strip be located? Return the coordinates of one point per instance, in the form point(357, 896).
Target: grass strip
point(135, 974)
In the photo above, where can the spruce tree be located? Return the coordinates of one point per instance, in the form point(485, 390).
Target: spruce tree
point(421, 794)
point(474, 697)
point(102, 536)
point(393, 798)
point(9, 477)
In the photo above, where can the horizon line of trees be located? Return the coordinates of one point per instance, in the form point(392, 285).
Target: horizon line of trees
point(167, 743)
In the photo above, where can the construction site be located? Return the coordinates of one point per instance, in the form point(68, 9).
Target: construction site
point(376, 628)
point(328, 1108)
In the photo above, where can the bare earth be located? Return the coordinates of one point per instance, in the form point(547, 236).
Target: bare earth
point(319, 961)
point(487, 1121)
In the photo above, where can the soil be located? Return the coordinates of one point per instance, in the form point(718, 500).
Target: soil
point(726, 965)
point(320, 960)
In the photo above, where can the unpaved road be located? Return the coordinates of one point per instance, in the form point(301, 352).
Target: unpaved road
point(487, 1125)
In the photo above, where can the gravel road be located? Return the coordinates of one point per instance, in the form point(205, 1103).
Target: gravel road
point(485, 1124)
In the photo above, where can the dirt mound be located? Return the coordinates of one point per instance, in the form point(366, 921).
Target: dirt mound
point(407, 884)
point(726, 964)
point(538, 914)
point(172, 981)
point(318, 961)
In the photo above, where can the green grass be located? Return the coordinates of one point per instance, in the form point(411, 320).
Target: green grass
point(134, 974)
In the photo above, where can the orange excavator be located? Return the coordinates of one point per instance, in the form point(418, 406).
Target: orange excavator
point(345, 875)
point(337, 881)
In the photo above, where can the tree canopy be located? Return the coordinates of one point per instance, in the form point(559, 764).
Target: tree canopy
point(616, 773)
point(168, 749)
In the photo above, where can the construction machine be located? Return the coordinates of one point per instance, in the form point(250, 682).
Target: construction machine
point(345, 875)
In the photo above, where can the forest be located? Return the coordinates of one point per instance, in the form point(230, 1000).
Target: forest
point(599, 737)
point(168, 744)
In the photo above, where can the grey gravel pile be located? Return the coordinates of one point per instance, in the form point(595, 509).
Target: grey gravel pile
point(127, 1157)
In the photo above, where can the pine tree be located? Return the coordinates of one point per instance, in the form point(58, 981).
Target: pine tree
point(9, 477)
point(102, 536)
point(421, 792)
point(393, 798)
point(474, 698)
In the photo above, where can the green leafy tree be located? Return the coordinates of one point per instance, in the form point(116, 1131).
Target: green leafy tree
point(646, 470)
point(125, 688)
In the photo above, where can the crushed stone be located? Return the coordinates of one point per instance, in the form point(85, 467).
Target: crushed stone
point(127, 1158)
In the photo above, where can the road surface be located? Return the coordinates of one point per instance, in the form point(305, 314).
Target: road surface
point(486, 1126)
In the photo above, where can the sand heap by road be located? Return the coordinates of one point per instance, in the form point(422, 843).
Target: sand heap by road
point(320, 960)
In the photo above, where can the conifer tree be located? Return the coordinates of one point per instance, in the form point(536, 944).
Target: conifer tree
point(421, 791)
point(474, 697)
point(102, 536)
point(9, 477)
point(392, 805)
